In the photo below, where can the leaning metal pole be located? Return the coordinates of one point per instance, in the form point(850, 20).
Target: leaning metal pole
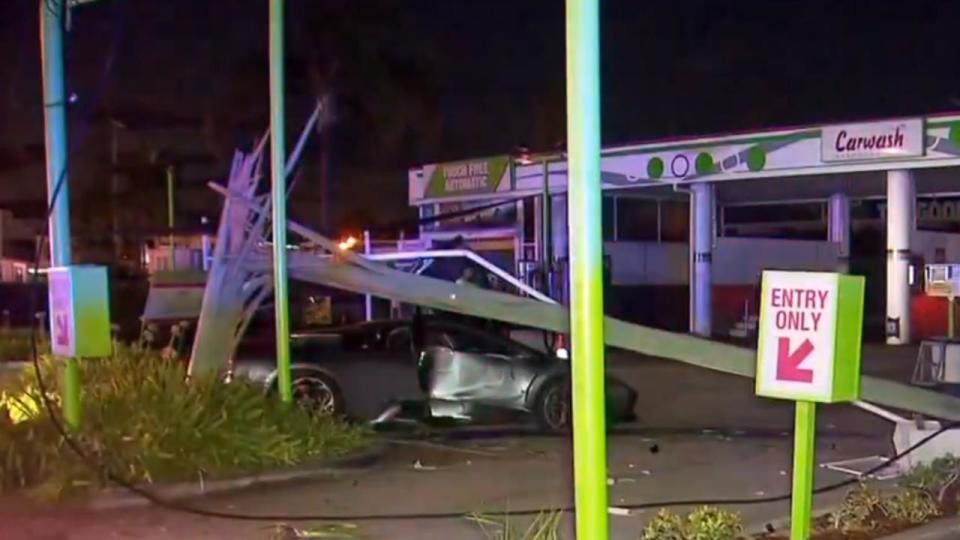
point(586, 270)
point(278, 188)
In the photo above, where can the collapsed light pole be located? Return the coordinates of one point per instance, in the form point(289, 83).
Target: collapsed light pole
point(586, 270)
point(278, 188)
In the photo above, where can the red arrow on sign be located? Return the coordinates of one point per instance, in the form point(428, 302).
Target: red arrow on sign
point(788, 363)
point(63, 330)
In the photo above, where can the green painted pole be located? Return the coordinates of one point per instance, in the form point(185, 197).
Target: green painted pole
point(55, 140)
point(586, 267)
point(171, 218)
point(278, 151)
point(804, 456)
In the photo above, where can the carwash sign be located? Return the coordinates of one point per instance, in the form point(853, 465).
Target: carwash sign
point(872, 141)
point(810, 336)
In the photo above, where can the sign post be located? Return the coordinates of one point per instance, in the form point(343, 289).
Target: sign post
point(809, 348)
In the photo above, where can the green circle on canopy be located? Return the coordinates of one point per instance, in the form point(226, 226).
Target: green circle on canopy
point(655, 167)
point(955, 133)
point(704, 163)
point(756, 158)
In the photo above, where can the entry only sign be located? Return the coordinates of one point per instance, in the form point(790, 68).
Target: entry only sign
point(811, 326)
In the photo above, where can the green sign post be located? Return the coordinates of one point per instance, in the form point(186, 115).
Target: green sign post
point(809, 352)
point(586, 268)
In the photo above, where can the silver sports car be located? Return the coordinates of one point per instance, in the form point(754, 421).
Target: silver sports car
point(439, 368)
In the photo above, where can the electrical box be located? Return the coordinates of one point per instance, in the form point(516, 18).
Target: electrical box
point(942, 280)
point(79, 311)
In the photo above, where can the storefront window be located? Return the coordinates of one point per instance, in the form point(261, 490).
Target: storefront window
point(636, 220)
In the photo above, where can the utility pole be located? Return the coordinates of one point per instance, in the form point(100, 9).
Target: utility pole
point(586, 267)
point(52, 20)
point(115, 127)
point(171, 216)
point(278, 171)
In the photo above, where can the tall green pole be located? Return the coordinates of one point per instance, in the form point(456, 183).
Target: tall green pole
point(586, 271)
point(55, 140)
point(804, 457)
point(171, 217)
point(278, 151)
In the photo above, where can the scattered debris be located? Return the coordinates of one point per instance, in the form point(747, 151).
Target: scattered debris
point(337, 530)
point(655, 449)
point(417, 466)
point(858, 466)
point(621, 480)
point(619, 511)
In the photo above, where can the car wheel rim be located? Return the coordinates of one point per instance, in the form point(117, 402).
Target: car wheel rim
point(314, 395)
point(556, 409)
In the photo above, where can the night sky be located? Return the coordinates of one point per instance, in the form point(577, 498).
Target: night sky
point(419, 81)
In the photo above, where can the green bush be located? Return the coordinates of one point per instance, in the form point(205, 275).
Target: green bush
point(861, 509)
point(664, 526)
point(933, 476)
point(704, 523)
point(911, 506)
point(147, 423)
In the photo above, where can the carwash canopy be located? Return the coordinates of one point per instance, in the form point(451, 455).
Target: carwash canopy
point(885, 165)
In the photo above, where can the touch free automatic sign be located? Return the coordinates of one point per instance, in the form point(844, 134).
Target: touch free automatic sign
point(810, 335)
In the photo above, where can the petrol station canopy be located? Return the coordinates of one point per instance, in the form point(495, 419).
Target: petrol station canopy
point(795, 164)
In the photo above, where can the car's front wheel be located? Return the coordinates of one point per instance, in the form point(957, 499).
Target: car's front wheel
point(317, 392)
point(553, 410)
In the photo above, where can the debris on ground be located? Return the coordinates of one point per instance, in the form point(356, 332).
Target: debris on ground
point(418, 466)
point(337, 530)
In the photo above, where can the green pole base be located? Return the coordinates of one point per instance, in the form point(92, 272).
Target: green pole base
point(804, 457)
point(71, 393)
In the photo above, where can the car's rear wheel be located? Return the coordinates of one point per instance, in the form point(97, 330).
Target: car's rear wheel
point(317, 392)
point(554, 410)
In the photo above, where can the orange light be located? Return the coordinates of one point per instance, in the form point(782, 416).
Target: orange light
point(348, 243)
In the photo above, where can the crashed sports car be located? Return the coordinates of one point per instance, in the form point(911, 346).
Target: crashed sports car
point(380, 370)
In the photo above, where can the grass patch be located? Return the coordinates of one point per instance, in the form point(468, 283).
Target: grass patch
point(143, 420)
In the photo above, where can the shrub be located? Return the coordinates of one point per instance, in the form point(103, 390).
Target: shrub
point(710, 523)
point(933, 476)
point(664, 526)
point(704, 523)
point(911, 506)
point(861, 509)
point(144, 421)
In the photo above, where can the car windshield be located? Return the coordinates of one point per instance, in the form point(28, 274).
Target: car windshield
point(473, 341)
